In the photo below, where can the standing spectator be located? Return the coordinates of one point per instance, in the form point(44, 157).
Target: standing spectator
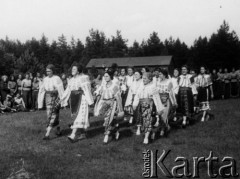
point(221, 82)
point(64, 80)
point(39, 77)
point(35, 89)
point(26, 91)
point(12, 85)
point(227, 85)
point(4, 87)
point(31, 76)
point(234, 83)
point(216, 84)
point(19, 83)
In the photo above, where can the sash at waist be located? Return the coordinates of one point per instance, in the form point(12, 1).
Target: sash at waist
point(52, 92)
point(146, 100)
point(26, 89)
point(77, 91)
point(184, 88)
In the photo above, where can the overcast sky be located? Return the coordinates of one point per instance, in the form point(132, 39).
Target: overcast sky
point(186, 19)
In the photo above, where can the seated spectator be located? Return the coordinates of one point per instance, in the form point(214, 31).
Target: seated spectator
point(2, 107)
point(8, 104)
point(19, 104)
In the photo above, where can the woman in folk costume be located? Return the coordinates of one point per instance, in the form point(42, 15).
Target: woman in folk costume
point(175, 79)
point(123, 85)
point(167, 96)
point(204, 84)
point(109, 105)
point(129, 82)
point(146, 106)
point(137, 83)
point(234, 83)
point(78, 92)
point(51, 89)
point(227, 85)
point(156, 78)
point(194, 90)
point(185, 95)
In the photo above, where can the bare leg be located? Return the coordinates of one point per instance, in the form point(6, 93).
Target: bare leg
point(131, 120)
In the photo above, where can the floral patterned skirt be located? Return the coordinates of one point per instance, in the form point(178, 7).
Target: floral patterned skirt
point(108, 110)
point(145, 114)
point(53, 108)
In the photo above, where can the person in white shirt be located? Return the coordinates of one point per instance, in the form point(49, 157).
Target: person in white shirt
point(204, 85)
point(185, 95)
point(167, 96)
point(156, 78)
point(146, 105)
point(137, 83)
point(78, 92)
point(51, 89)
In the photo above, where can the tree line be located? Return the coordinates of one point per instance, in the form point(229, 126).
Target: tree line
point(222, 49)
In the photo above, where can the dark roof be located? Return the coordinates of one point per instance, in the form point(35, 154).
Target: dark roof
point(131, 61)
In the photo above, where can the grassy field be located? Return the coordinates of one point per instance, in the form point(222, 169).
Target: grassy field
point(23, 150)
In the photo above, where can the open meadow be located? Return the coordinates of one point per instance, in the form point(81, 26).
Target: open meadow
point(22, 149)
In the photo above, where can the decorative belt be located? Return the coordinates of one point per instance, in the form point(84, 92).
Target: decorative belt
point(77, 91)
point(184, 88)
point(51, 92)
point(147, 100)
point(26, 89)
point(108, 99)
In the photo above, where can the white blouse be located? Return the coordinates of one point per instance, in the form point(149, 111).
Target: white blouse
point(185, 80)
point(76, 83)
point(129, 80)
point(53, 83)
point(203, 80)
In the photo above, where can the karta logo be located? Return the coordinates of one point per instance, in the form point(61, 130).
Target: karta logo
point(154, 163)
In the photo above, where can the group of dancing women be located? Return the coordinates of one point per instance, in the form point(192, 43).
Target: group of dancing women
point(150, 102)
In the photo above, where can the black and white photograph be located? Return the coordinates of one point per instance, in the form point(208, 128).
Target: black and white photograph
point(119, 89)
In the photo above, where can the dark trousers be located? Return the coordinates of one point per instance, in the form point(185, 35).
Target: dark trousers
point(27, 98)
point(35, 99)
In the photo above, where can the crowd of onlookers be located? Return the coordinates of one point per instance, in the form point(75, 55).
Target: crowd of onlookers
point(21, 93)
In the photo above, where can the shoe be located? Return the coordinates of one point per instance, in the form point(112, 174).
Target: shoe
point(72, 140)
point(131, 120)
point(202, 120)
point(46, 138)
point(125, 118)
point(58, 132)
point(82, 136)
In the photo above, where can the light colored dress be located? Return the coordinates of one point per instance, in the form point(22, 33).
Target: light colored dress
point(78, 92)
